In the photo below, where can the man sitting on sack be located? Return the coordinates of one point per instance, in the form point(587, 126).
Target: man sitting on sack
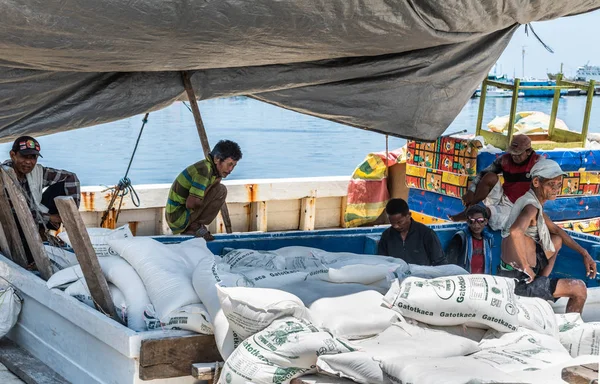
point(197, 194)
point(409, 240)
point(33, 178)
point(471, 248)
point(514, 165)
point(531, 242)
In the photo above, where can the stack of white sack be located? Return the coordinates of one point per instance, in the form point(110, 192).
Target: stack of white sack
point(166, 272)
point(123, 281)
point(10, 307)
point(60, 258)
point(477, 300)
point(100, 238)
point(278, 340)
point(578, 337)
point(399, 341)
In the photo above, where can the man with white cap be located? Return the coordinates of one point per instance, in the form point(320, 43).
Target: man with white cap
point(531, 241)
point(514, 166)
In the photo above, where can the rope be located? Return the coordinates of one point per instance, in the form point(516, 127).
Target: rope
point(537, 37)
point(124, 187)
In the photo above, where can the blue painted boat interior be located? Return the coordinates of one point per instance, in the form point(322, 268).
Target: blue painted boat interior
point(364, 241)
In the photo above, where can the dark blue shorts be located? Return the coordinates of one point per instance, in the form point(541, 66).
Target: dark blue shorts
point(542, 286)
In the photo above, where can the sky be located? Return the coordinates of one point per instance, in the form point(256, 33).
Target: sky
point(573, 39)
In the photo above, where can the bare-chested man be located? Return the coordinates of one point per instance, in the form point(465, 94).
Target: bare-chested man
point(531, 242)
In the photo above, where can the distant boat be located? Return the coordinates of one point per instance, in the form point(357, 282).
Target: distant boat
point(497, 92)
point(587, 73)
point(540, 92)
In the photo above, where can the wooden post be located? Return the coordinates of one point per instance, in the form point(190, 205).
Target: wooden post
point(4, 248)
point(28, 225)
point(308, 212)
point(80, 241)
point(554, 110)
point(189, 89)
point(588, 111)
point(344, 204)
point(513, 113)
point(15, 251)
point(258, 216)
point(482, 95)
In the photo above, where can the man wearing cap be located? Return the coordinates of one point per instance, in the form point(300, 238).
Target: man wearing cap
point(531, 241)
point(514, 165)
point(33, 178)
point(197, 194)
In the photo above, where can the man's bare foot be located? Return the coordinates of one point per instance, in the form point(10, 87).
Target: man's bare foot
point(457, 217)
point(204, 233)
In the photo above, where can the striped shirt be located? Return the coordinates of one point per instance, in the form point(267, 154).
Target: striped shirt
point(194, 180)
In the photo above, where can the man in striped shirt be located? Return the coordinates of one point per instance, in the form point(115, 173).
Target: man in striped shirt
point(197, 194)
point(40, 184)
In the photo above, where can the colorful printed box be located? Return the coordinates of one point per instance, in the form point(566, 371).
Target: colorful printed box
point(444, 166)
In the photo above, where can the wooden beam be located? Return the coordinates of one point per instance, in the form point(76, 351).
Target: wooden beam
point(174, 356)
point(343, 206)
point(258, 216)
point(4, 248)
point(580, 374)
point(189, 89)
point(28, 224)
point(25, 366)
point(15, 251)
point(308, 210)
point(80, 241)
point(207, 371)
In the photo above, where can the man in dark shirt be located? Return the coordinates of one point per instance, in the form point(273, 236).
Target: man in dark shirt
point(409, 240)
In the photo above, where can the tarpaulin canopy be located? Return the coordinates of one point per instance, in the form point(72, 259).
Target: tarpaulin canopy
point(404, 68)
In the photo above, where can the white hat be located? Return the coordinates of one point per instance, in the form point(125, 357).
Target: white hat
point(546, 168)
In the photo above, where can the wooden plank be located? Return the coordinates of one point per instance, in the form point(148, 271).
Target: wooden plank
point(16, 251)
point(25, 366)
point(581, 374)
point(343, 206)
point(189, 89)
point(307, 213)
point(80, 241)
point(258, 216)
point(207, 371)
point(174, 356)
point(4, 248)
point(28, 224)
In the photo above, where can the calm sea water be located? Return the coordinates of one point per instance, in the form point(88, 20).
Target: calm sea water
point(276, 143)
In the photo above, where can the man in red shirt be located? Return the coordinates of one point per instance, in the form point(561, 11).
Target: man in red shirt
point(471, 248)
point(515, 166)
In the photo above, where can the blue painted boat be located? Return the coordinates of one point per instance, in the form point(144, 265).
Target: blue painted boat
point(364, 241)
point(540, 92)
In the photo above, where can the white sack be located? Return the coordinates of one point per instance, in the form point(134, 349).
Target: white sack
point(60, 258)
point(193, 317)
point(317, 289)
point(354, 273)
point(353, 316)
point(583, 339)
point(10, 307)
point(288, 348)
point(250, 310)
point(164, 272)
point(429, 272)
point(567, 321)
point(400, 340)
point(537, 315)
point(80, 291)
point(450, 370)
point(65, 277)
point(520, 351)
point(476, 300)
point(100, 238)
point(118, 272)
